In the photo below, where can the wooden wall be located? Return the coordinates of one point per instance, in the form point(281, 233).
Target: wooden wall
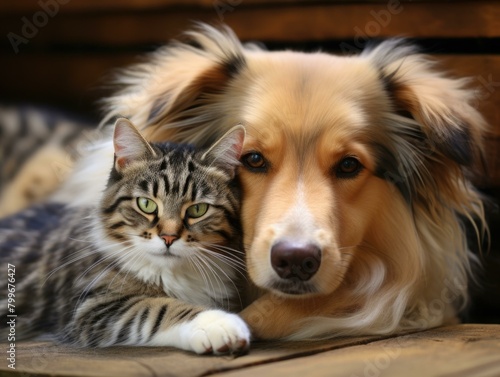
point(59, 52)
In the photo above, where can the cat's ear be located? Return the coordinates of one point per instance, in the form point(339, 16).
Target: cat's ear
point(225, 153)
point(129, 144)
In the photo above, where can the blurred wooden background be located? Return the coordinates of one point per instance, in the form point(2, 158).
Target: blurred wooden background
point(59, 52)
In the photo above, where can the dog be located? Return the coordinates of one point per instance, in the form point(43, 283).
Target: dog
point(355, 175)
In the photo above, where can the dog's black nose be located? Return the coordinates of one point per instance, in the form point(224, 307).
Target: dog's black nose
point(293, 260)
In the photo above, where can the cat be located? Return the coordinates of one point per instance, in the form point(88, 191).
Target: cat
point(155, 263)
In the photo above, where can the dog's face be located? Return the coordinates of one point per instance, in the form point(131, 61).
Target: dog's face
point(308, 171)
point(350, 167)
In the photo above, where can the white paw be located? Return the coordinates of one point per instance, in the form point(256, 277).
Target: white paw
point(217, 332)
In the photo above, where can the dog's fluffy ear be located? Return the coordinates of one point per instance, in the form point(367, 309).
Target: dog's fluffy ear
point(170, 94)
point(442, 106)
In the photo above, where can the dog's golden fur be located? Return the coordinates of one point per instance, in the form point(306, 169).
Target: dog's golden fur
point(394, 253)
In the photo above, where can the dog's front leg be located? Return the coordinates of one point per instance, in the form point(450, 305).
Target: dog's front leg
point(275, 317)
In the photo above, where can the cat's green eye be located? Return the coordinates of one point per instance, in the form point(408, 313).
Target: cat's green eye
point(197, 210)
point(146, 205)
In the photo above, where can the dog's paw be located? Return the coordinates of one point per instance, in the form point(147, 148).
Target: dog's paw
point(217, 332)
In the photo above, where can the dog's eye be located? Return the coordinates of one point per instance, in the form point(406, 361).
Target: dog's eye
point(254, 161)
point(348, 167)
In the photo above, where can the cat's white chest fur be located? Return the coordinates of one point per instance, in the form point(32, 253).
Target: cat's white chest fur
point(181, 279)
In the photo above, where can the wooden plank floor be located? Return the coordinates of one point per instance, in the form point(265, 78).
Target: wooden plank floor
point(461, 350)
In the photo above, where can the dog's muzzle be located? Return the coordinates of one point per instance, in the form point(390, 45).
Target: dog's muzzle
point(295, 261)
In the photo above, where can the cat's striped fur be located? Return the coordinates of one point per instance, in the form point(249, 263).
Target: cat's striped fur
point(38, 148)
point(126, 273)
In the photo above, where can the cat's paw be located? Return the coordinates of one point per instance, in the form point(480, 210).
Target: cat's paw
point(218, 332)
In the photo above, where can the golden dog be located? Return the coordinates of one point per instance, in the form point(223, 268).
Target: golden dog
point(353, 175)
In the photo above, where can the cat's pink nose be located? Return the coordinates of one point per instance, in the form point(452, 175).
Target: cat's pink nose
point(169, 238)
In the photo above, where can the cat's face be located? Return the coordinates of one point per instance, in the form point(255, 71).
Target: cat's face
point(169, 202)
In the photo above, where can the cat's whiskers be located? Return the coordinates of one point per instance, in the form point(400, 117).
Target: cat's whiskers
point(220, 255)
point(102, 273)
point(121, 253)
point(192, 261)
point(223, 248)
point(198, 262)
point(87, 232)
point(72, 258)
point(231, 279)
point(203, 270)
point(237, 268)
point(75, 257)
point(226, 250)
point(129, 264)
point(238, 264)
point(96, 280)
point(210, 264)
point(105, 257)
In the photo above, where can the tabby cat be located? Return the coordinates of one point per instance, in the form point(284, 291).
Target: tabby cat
point(155, 263)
